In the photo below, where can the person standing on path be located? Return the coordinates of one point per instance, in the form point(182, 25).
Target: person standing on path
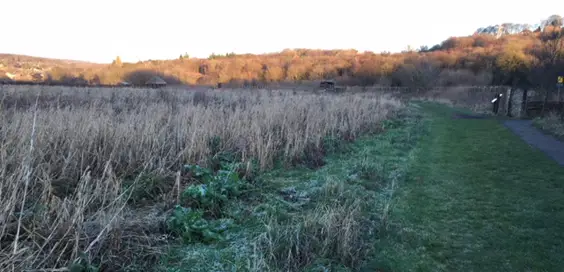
point(495, 103)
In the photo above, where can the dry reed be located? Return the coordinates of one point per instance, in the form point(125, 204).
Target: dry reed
point(67, 153)
point(475, 98)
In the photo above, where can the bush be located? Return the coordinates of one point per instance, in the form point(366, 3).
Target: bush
point(551, 124)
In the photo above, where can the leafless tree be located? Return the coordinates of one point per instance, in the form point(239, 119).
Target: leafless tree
point(419, 73)
point(549, 61)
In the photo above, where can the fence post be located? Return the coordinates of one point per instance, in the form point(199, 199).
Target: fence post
point(507, 106)
point(546, 95)
point(560, 104)
point(517, 103)
point(525, 103)
point(558, 94)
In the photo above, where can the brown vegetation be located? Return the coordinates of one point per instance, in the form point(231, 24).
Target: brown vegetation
point(527, 59)
point(68, 157)
point(89, 175)
point(552, 124)
point(476, 98)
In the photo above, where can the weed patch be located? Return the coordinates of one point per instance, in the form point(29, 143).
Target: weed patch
point(551, 124)
point(303, 219)
point(91, 177)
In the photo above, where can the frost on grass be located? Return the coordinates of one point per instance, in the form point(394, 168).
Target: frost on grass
point(103, 158)
point(551, 124)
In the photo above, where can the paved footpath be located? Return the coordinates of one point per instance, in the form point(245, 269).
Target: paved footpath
point(534, 137)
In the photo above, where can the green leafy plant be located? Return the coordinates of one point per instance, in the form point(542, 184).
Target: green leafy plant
point(191, 226)
point(201, 173)
point(215, 190)
point(83, 265)
point(205, 200)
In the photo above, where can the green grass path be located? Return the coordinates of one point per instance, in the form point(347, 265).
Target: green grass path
point(477, 199)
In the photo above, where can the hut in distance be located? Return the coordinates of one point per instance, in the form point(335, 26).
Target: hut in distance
point(155, 82)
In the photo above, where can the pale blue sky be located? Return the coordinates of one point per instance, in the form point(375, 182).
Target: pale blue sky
point(139, 30)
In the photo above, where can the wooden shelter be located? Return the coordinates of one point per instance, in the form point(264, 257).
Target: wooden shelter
point(156, 82)
point(327, 84)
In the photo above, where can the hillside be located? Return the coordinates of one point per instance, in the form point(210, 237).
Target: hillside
point(515, 28)
point(271, 179)
point(30, 68)
point(525, 58)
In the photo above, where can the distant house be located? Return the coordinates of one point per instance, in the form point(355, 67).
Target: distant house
point(38, 76)
point(124, 83)
point(155, 82)
point(327, 84)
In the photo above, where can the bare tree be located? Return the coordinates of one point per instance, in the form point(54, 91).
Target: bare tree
point(419, 73)
point(549, 61)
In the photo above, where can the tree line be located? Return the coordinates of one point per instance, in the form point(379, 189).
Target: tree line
point(527, 60)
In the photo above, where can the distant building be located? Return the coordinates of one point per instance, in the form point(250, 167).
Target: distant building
point(327, 84)
point(124, 83)
point(155, 82)
point(38, 76)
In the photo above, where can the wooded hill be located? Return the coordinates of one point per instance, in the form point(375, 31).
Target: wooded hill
point(528, 59)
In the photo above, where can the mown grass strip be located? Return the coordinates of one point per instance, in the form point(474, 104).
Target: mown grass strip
point(477, 199)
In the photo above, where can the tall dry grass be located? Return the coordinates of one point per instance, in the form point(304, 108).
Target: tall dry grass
point(552, 123)
point(67, 155)
point(475, 98)
point(337, 229)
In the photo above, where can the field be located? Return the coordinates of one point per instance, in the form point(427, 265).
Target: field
point(111, 179)
point(271, 180)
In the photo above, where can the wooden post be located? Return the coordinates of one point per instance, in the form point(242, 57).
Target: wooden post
point(524, 103)
point(517, 102)
point(560, 104)
point(546, 94)
point(507, 106)
point(559, 84)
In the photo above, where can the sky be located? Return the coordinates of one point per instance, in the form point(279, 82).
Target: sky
point(100, 30)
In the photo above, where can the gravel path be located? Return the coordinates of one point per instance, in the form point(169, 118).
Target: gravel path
point(533, 136)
